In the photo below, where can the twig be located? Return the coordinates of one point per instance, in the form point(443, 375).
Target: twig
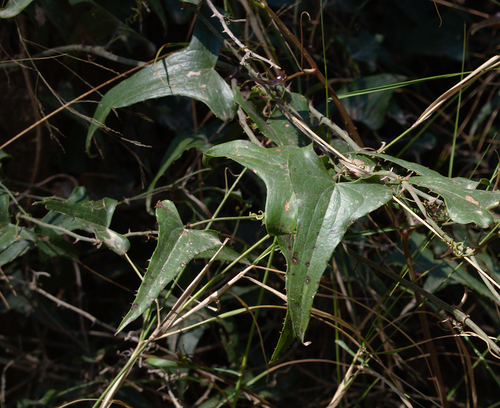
point(62, 51)
point(94, 241)
point(60, 302)
point(66, 105)
point(248, 52)
point(167, 321)
point(488, 65)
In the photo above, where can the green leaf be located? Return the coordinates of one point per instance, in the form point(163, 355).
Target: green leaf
point(4, 155)
point(189, 72)
point(94, 217)
point(178, 146)
point(417, 168)
point(285, 340)
point(195, 2)
point(14, 242)
point(369, 108)
point(326, 210)
point(271, 166)
point(4, 209)
point(176, 247)
point(13, 8)
point(464, 204)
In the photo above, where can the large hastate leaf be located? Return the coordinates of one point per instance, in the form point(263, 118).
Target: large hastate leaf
point(176, 247)
point(326, 209)
point(92, 216)
point(464, 204)
point(189, 72)
point(271, 165)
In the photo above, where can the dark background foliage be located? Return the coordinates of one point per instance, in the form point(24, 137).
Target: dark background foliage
point(49, 354)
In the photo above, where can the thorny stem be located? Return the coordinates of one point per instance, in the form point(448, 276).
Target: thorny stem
point(248, 52)
point(290, 37)
point(94, 241)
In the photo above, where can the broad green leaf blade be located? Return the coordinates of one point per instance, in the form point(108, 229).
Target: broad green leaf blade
point(189, 72)
point(464, 204)
point(12, 233)
point(176, 247)
point(178, 146)
point(56, 245)
point(13, 8)
point(94, 212)
point(370, 108)
point(326, 210)
point(94, 217)
point(271, 166)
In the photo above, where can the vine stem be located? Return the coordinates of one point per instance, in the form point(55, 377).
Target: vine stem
point(353, 132)
point(78, 237)
point(248, 52)
point(453, 245)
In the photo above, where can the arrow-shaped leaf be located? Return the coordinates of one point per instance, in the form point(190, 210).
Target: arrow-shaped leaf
point(176, 247)
point(189, 72)
point(325, 211)
point(463, 202)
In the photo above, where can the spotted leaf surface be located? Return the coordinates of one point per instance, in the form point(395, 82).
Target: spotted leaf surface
point(464, 204)
point(326, 209)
